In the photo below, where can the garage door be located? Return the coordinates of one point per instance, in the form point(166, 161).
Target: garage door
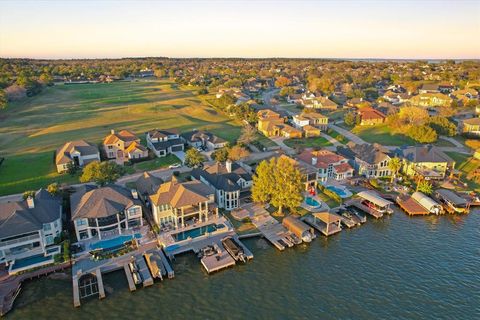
point(177, 148)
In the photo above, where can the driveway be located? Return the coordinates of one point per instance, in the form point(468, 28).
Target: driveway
point(282, 145)
point(180, 155)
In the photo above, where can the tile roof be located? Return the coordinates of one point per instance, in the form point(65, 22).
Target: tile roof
point(180, 194)
point(123, 135)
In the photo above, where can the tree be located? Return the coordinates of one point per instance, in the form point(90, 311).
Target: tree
point(53, 188)
point(422, 134)
point(285, 91)
point(101, 173)
point(220, 155)
point(395, 164)
point(443, 126)
point(281, 82)
point(425, 187)
point(237, 153)
point(27, 194)
point(3, 99)
point(350, 118)
point(248, 134)
point(193, 158)
point(278, 182)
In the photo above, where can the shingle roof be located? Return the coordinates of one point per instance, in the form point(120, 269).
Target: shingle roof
point(425, 154)
point(370, 153)
point(123, 135)
point(219, 177)
point(148, 184)
point(17, 218)
point(91, 202)
point(63, 154)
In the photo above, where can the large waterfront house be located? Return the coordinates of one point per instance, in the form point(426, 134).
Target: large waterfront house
point(78, 153)
point(328, 164)
point(272, 124)
point(164, 142)
point(28, 229)
point(471, 127)
point(103, 212)
point(203, 139)
point(427, 161)
point(228, 180)
point(123, 146)
point(369, 160)
point(178, 203)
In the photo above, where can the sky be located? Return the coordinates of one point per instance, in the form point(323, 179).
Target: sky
point(313, 29)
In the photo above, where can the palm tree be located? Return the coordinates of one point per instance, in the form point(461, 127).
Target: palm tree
point(425, 187)
point(395, 165)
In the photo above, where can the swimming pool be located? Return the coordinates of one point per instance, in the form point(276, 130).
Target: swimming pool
point(114, 242)
point(31, 261)
point(197, 232)
point(312, 202)
point(341, 191)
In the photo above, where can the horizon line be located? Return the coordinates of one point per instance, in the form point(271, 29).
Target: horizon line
point(237, 57)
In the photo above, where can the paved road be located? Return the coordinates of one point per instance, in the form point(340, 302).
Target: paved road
point(453, 141)
point(267, 95)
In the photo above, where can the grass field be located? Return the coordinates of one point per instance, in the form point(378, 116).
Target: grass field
point(307, 142)
point(32, 129)
point(383, 135)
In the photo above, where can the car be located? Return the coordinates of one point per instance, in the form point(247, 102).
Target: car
point(174, 166)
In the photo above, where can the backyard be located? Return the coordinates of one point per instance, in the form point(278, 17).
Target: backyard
point(382, 134)
point(316, 142)
point(32, 129)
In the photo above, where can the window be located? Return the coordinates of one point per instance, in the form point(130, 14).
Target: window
point(81, 222)
point(47, 227)
point(48, 240)
point(133, 211)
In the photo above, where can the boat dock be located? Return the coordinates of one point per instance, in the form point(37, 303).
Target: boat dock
point(246, 251)
point(128, 274)
point(325, 222)
point(357, 204)
point(410, 206)
point(273, 231)
point(144, 272)
point(101, 288)
point(218, 261)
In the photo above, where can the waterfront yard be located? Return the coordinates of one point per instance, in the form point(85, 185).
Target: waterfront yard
point(316, 142)
point(31, 130)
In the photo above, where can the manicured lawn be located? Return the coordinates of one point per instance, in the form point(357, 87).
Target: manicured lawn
point(467, 165)
point(307, 142)
point(31, 130)
point(337, 136)
point(156, 163)
point(263, 142)
point(20, 173)
point(383, 135)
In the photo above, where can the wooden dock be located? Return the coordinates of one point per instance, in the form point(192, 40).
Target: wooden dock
point(166, 264)
point(76, 292)
point(322, 228)
point(410, 206)
point(273, 231)
point(246, 251)
point(144, 272)
point(128, 274)
point(101, 288)
point(221, 260)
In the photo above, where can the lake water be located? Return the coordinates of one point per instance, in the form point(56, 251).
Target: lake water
point(394, 268)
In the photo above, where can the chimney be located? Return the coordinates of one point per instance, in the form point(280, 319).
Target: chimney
point(112, 131)
point(30, 202)
point(314, 161)
point(134, 193)
point(228, 165)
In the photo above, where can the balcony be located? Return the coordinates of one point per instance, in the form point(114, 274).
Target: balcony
point(9, 243)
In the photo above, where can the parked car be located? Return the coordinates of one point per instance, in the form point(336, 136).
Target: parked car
point(174, 166)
